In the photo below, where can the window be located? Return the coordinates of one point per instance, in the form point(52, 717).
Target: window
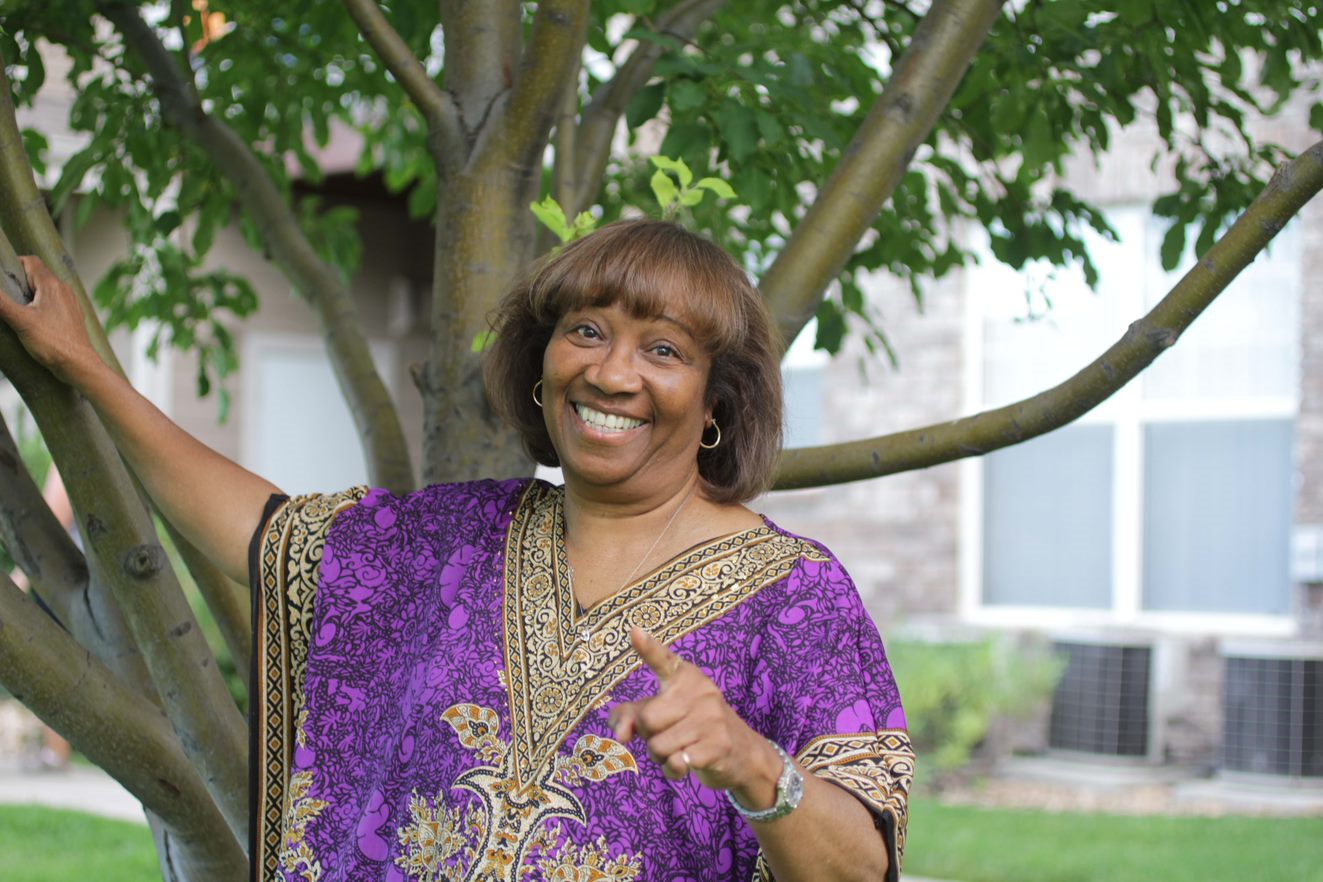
point(1174, 497)
point(297, 431)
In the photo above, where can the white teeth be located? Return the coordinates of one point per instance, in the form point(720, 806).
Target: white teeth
point(606, 422)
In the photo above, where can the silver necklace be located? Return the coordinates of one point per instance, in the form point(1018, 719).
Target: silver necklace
point(584, 631)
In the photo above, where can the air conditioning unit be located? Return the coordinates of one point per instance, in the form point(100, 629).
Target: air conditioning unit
point(1273, 710)
point(1101, 704)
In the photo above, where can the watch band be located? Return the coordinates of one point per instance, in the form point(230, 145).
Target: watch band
point(789, 791)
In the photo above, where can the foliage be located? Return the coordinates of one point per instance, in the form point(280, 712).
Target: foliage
point(955, 693)
point(1012, 845)
point(552, 216)
point(771, 93)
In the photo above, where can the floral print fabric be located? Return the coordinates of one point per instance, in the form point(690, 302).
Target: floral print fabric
point(452, 723)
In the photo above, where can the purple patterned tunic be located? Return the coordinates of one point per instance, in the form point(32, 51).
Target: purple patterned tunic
point(440, 711)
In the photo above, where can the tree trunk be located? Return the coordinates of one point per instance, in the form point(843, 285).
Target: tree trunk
point(484, 240)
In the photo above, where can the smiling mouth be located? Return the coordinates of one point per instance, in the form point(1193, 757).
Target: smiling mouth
point(606, 422)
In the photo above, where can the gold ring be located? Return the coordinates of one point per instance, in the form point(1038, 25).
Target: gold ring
point(684, 755)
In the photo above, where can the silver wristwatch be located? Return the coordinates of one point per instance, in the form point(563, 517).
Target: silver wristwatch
point(789, 791)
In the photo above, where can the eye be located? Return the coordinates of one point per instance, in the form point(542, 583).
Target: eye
point(586, 331)
point(665, 350)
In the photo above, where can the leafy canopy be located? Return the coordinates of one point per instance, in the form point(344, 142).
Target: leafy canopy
point(764, 98)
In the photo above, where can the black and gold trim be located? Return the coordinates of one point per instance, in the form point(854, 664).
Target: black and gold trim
point(286, 571)
point(877, 768)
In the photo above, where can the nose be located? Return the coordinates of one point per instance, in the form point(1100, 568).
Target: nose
point(615, 372)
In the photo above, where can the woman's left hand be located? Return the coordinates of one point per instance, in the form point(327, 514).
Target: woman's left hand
point(689, 727)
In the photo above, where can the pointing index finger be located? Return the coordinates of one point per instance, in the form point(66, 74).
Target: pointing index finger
point(660, 660)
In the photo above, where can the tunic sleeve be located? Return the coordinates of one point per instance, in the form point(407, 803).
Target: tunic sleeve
point(835, 705)
point(284, 564)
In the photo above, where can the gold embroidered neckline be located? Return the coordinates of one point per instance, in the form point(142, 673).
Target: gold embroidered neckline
point(553, 677)
point(578, 620)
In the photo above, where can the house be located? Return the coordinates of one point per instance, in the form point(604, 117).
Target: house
point(1169, 543)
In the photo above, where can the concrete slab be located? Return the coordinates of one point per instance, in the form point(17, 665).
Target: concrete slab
point(81, 788)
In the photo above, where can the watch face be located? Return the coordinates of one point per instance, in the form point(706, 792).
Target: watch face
point(794, 790)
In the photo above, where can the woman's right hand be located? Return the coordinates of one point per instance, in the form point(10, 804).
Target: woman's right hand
point(51, 327)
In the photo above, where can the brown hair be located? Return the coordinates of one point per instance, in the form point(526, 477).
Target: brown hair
point(645, 266)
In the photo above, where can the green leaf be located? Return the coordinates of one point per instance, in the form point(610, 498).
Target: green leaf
point(1316, 116)
point(686, 94)
point(168, 222)
point(663, 188)
point(831, 327)
point(687, 139)
point(1173, 246)
point(739, 130)
point(690, 198)
point(584, 223)
point(665, 163)
point(770, 128)
point(552, 216)
point(646, 103)
point(482, 340)
point(719, 187)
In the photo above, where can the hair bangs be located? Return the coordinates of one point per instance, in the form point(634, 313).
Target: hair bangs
point(650, 272)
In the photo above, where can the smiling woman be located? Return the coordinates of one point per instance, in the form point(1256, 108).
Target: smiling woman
point(631, 677)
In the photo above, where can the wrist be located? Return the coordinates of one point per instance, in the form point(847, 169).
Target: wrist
point(80, 368)
point(758, 793)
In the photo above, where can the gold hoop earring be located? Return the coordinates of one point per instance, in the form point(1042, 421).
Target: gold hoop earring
point(537, 388)
point(714, 443)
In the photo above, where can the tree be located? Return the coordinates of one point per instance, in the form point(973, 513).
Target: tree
point(857, 134)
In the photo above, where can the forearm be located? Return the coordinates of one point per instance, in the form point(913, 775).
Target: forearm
point(829, 836)
point(213, 501)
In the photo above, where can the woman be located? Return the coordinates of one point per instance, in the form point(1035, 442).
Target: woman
point(510, 680)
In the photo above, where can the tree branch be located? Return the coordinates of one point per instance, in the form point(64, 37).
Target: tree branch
point(228, 601)
point(115, 728)
point(523, 124)
point(603, 113)
point(445, 137)
point(1291, 187)
point(874, 162)
point(35, 538)
point(564, 183)
point(374, 413)
point(482, 54)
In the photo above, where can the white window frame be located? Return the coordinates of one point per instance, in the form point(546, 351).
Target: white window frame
point(1127, 412)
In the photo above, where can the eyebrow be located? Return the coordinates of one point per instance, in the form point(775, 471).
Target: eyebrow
point(679, 324)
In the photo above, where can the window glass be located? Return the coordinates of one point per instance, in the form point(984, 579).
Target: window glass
point(803, 372)
point(1245, 344)
point(1047, 521)
point(1217, 516)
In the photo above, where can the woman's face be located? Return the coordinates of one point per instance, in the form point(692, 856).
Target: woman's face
point(623, 399)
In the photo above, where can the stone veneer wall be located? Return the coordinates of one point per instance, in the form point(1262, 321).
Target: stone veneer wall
point(896, 535)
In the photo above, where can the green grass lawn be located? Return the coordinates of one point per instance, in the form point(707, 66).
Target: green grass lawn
point(49, 845)
point(963, 844)
point(990, 845)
